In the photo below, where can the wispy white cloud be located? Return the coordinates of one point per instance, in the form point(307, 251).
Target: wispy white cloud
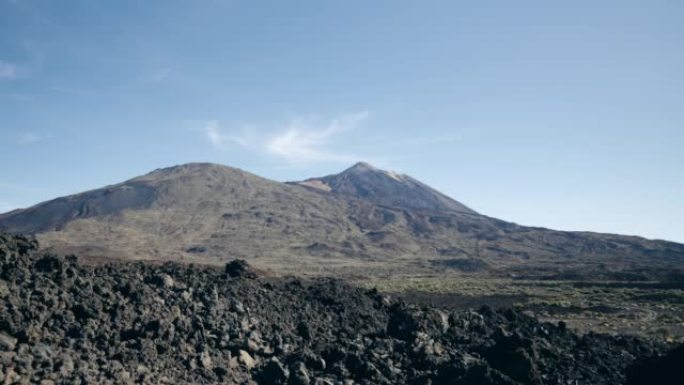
point(220, 139)
point(31, 63)
point(302, 140)
point(32, 137)
point(8, 70)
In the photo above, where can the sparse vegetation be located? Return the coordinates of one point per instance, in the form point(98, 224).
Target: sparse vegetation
point(638, 308)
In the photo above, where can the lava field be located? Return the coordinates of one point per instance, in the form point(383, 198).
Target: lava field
point(133, 323)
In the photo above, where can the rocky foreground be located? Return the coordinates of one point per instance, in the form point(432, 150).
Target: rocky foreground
point(64, 323)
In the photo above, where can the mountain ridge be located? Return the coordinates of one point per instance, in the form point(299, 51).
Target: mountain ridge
point(368, 221)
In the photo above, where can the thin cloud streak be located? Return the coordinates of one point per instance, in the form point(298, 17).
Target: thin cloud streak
point(8, 70)
point(221, 140)
point(301, 141)
point(31, 138)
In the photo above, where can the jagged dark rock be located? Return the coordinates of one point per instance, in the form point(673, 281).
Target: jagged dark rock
point(65, 323)
point(239, 268)
point(661, 370)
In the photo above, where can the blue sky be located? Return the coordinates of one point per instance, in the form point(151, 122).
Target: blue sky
point(568, 115)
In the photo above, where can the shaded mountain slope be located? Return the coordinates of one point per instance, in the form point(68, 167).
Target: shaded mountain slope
point(210, 213)
point(55, 213)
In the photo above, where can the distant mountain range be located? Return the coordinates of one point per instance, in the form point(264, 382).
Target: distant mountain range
point(363, 221)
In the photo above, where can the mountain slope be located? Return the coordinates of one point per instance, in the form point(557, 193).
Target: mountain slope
point(386, 188)
point(366, 221)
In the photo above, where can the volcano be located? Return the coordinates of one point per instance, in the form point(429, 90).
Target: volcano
point(363, 220)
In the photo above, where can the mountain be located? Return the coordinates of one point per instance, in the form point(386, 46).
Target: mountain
point(361, 221)
point(386, 188)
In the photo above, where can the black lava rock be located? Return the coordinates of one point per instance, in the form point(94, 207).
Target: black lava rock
point(662, 370)
point(239, 268)
point(65, 323)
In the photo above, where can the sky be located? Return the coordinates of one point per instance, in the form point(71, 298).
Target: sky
point(567, 115)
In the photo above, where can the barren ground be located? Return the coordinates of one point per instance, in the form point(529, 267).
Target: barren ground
point(648, 309)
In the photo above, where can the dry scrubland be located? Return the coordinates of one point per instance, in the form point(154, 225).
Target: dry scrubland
point(649, 309)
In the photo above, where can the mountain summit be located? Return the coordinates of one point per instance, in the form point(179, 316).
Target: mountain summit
point(361, 221)
point(386, 188)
